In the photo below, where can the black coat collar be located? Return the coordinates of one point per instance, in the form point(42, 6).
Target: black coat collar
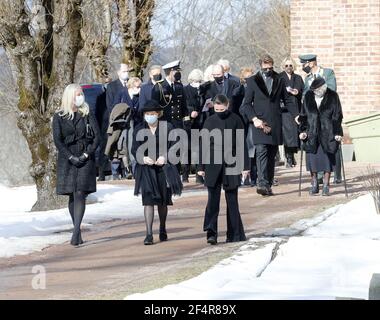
point(312, 104)
point(261, 84)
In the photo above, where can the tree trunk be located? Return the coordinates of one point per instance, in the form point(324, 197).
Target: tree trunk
point(44, 65)
point(135, 17)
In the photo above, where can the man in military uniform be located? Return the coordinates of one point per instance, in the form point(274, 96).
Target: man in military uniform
point(313, 71)
point(170, 94)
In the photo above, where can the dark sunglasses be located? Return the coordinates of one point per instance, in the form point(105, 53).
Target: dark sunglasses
point(288, 65)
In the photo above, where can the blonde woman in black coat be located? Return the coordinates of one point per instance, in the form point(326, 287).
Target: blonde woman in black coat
point(321, 130)
point(76, 136)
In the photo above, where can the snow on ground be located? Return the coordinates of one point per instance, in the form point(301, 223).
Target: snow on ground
point(331, 256)
point(22, 231)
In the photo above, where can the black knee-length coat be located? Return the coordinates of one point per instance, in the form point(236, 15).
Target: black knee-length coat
point(258, 102)
point(323, 124)
point(147, 178)
point(70, 139)
point(214, 168)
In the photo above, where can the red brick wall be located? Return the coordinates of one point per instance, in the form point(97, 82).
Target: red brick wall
point(345, 34)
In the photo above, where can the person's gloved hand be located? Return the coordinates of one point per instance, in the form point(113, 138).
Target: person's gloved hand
point(76, 162)
point(84, 158)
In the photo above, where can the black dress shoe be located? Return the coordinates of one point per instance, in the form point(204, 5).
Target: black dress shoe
point(212, 240)
point(338, 181)
point(263, 191)
point(148, 240)
point(163, 235)
point(270, 192)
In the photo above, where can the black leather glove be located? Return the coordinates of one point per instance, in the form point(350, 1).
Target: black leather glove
point(76, 162)
point(83, 158)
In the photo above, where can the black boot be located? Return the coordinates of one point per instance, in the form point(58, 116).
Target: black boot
point(326, 190)
point(163, 234)
point(289, 161)
point(314, 187)
point(294, 162)
point(148, 240)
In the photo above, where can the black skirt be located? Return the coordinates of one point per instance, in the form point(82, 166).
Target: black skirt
point(152, 184)
point(320, 161)
point(165, 192)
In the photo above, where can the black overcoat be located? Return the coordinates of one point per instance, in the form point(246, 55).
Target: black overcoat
point(231, 89)
point(323, 124)
point(213, 169)
point(146, 179)
point(267, 107)
point(289, 125)
point(70, 139)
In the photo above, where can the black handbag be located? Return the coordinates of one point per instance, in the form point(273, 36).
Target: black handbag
point(90, 134)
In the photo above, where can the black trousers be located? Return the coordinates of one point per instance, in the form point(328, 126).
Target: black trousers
point(265, 159)
point(235, 229)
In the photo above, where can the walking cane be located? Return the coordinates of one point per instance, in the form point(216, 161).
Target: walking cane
point(344, 172)
point(300, 181)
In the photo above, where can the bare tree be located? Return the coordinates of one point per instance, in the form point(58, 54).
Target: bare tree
point(42, 39)
point(238, 30)
point(371, 182)
point(134, 17)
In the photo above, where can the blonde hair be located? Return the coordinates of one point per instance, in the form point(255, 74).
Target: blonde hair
point(246, 72)
point(288, 59)
point(207, 76)
point(133, 82)
point(195, 76)
point(67, 102)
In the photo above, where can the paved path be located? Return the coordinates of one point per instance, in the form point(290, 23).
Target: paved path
point(114, 262)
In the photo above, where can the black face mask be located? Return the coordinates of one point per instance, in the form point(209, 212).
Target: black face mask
point(157, 77)
point(223, 115)
point(267, 72)
point(177, 76)
point(219, 80)
point(306, 69)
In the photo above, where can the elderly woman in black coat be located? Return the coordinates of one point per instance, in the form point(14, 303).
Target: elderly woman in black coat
point(218, 173)
point(321, 130)
point(156, 178)
point(76, 136)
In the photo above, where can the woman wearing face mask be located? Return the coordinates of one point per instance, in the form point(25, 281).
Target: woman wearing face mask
point(217, 173)
point(193, 99)
point(321, 130)
point(156, 179)
point(76, 136)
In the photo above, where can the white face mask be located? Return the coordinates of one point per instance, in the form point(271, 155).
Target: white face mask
point(320, 92)
point(79, 100)
point(195, 85)
point(124, 75)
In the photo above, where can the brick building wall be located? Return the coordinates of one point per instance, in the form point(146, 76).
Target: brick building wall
point(345, 34)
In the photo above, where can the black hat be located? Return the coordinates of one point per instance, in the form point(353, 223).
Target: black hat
point(307, 58)
point(319, 82)
point(151, 105)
